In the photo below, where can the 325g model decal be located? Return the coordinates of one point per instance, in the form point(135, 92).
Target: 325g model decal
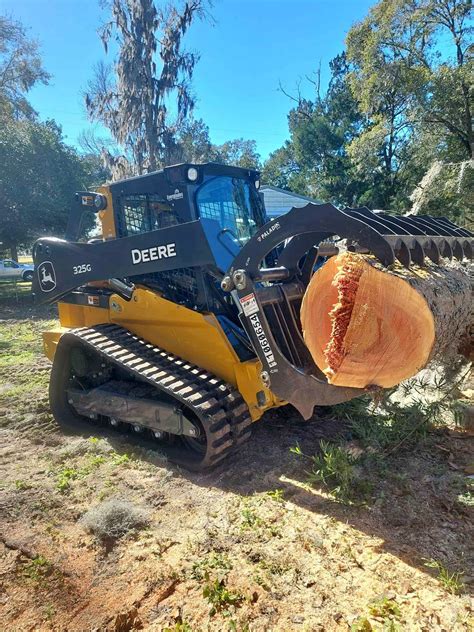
point(82, 268)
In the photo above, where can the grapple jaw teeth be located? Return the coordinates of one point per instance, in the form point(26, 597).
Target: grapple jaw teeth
point(415, 237)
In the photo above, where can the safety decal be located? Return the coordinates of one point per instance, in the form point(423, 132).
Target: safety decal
point(249, 304)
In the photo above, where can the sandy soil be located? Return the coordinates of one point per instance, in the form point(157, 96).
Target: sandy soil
point(250, 538)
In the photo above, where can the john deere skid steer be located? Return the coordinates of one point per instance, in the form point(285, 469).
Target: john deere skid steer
point(182, 322)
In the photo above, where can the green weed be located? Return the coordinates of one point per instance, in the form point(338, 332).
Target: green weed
point(93, 462)
point(451, 581)
point(120, 459)
point(385, 611)
point(334, 468)
point(362, 624)
point(49, 612)
point(21, 485)
point(276, 495)
point(215, 561)
point(250, 519)
point(384, 608)
point(180, 626)
point(219, 596)
point(37, 569)
point(64, 478)
point(338, 471)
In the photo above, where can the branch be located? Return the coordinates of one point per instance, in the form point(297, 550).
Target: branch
point(296, 100)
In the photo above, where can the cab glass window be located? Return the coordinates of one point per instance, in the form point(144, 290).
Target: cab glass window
point(233, 203)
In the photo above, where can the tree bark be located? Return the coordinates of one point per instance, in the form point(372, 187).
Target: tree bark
point(14, 252)
point(367, 325)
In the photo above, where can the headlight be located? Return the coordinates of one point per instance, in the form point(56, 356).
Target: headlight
point(257, 184)
point(100, 202)
point(193, 174)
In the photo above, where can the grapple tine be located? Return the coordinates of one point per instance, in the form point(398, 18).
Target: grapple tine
point(406, 224)
point(403, 253)
point(458, 250)
point(467, 248)
point(423, 235)
point(426, 226)
point(417, 253)
point(446, 249)
point(432, 251)
point(449, 225)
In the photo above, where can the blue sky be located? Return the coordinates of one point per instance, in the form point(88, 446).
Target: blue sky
point(253, 45)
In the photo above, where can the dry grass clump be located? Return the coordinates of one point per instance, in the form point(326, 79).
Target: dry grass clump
point(114, 518)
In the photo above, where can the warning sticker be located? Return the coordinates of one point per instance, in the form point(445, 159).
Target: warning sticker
point(249, 304)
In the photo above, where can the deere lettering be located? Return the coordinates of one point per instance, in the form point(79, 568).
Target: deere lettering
point(262, 339)
point(153, 254)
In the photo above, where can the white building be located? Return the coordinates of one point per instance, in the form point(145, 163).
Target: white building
point(278, 201)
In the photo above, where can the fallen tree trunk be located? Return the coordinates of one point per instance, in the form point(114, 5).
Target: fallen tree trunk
point(367, 325)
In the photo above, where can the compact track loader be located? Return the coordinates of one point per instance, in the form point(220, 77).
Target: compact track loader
point(182, 323)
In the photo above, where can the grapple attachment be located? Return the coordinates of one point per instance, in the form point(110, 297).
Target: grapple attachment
point(270, 297)
point(414, 237)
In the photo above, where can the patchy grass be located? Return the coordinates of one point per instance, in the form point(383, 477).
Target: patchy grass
point(22, 485)
point(92, 461)
point(378, 429)
point(451, 581)
point(19, 292)
point(270, 552)
point(22, 343)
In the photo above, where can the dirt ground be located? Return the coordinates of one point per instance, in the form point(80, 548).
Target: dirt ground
point(248, 546)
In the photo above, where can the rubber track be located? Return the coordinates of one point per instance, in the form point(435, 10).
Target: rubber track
point(218, 405)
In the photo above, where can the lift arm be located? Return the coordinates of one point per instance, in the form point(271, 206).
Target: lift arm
point(61, 266)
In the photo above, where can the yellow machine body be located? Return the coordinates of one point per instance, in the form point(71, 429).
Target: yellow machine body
point(194, 336)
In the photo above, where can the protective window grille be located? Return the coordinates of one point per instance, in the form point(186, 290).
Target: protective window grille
point(143, 213)
point(136, 215)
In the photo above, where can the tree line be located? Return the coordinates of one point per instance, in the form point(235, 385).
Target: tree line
point(393, 128)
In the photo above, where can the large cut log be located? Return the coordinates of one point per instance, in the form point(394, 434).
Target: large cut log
point(368, 325)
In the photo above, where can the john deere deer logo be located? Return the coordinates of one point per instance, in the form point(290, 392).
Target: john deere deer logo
point(47, 276)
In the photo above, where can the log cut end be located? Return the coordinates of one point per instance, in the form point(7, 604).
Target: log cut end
point(364, 325)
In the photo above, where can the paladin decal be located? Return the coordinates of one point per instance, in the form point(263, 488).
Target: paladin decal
point(262, 339)
point(46, 276)
point(275, 226)
point(153, 254)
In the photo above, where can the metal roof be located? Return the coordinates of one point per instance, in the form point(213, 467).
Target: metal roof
point(279, 201)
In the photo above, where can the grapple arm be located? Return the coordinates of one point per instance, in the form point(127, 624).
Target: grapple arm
point(270, 298)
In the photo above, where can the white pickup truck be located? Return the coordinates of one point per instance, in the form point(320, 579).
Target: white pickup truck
point(11, 270)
